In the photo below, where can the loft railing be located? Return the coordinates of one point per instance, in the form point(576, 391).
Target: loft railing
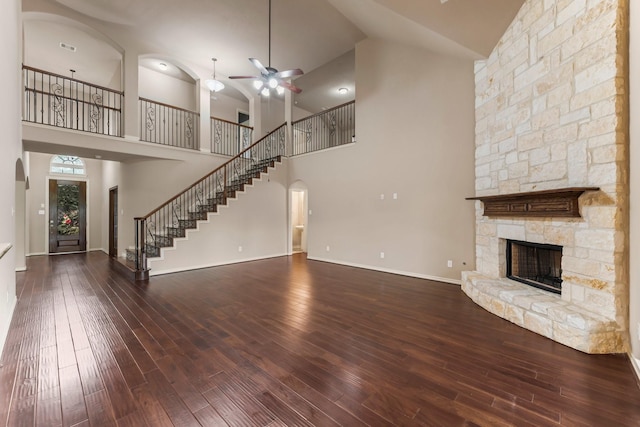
point(330, 128)
point(229, 138)
point(158, 228)
point(168, 125)
point(65, 102)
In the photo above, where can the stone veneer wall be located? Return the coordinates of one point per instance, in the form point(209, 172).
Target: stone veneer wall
point(551, 112)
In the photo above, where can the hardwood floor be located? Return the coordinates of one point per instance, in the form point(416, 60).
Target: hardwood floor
point(286, 342)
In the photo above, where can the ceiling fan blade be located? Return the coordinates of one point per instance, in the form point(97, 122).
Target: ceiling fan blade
point(243, 77)
point(289, 73)
point(290, 86)
point(259, 65)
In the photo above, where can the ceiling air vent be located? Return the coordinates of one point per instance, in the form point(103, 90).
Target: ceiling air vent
point(68, 47)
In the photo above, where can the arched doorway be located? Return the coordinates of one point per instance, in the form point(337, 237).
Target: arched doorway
point(298, 217)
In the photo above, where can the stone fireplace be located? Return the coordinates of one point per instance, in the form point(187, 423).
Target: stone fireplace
point(548, 117)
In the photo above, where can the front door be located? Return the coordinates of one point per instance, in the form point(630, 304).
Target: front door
point(67, 216)
point(113, 222)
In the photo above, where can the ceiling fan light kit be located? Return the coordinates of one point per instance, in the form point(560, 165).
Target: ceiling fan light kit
point(271, 78)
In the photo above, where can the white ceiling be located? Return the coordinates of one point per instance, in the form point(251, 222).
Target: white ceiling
point(307, 34)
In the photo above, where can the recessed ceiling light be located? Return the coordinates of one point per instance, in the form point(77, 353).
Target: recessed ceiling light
point(162, 66)
point(343, 91)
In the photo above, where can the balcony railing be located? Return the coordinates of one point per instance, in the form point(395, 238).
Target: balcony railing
point(168, 125)
point(229, 138)
point(60, 101)
point(330, 128)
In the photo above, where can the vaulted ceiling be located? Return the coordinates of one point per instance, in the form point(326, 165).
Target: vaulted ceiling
point(305, 33)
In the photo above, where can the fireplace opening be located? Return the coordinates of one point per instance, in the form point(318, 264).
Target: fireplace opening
point(535, 264)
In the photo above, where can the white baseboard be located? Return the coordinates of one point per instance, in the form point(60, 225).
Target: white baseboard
point(22, 268)
point(390, 270)
point(153, 272)
point(37, 254)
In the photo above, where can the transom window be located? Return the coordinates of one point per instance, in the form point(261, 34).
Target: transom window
point(70, 165)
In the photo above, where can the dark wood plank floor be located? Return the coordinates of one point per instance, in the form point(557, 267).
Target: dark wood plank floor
point(286, 342)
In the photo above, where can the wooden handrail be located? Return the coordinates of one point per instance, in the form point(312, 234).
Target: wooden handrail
point(323, 112)
point(72, 99)
point(231, 123)
point(26, 67)
point(168, 106)
point(210, 174)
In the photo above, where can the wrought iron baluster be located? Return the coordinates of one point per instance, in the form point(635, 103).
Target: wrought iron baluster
point(58, 105)
point(95, 111)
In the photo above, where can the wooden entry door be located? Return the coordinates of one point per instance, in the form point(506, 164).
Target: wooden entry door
point(67, 216)
point(113, 222)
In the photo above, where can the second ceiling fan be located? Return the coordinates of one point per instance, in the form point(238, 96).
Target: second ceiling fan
point(269, 77)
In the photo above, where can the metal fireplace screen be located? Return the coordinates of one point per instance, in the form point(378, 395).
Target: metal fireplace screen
point(535, 264)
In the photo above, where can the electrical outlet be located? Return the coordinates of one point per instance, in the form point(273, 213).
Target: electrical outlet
point(239, 248)
point(395, 196)
point(637, 329)
point(328, 248)
point(381, 255)
point(382, 197)
point(449, 263)
point(310, 212)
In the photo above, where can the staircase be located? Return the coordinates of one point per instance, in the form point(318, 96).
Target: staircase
point(201, 210)
point(160, 228)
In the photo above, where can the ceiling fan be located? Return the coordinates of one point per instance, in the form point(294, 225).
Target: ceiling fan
point(269, 77)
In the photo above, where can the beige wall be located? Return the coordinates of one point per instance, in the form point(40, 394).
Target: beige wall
point(110, 179)
point(38, 196)
point(162, 88)
point(415, 135)
point(11, 152)
point(225, 107)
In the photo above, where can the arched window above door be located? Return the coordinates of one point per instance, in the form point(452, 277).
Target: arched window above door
point(69, 165)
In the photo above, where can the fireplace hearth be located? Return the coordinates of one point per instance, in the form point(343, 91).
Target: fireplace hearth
point(535, 264)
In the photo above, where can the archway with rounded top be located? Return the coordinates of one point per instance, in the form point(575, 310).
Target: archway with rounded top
point(298, 217)
point(63, 46)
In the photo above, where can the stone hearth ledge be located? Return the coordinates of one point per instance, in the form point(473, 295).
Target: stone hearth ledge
point(544, 313)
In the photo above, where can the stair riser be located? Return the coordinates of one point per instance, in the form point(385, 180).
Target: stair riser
point(176, 232)
point(163, 241)
point(208, 208)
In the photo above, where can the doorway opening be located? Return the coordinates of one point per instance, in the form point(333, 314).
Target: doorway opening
point(113, 222)
point(298, 196)
point(244, 132)
point(67, 216)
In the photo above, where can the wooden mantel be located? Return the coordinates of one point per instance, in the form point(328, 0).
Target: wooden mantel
point(561, 202)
